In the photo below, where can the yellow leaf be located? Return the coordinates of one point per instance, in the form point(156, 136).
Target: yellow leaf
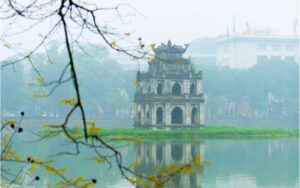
point(8, 153)
point(140, 182)
point(48, 162)
point(46, 125)
point(155, 180)
point(40, 80)
point(79, 179)
point(5, 138)
point(6, 45)
point(152, 58)
point(27, 57)
point(172, 167)
point(49, 62)
point(99, 159)
point(196, 162)
point(17, 157)
point(86, 185)
point(153, 46)
point(11, 121)
point(93, 130)
point(51, 169)
point(113, 44)
point(32, 169)
point(160, 170)
point(127, 34)
point(137, 139)
point(197, 159)
point(132, 180)
point(62, 170)
point(37, 95)
point(179, 62)
point(136, 82)
point(133, 164)
point(61, 184)
point(36, 161)
point(188, 169)
point(91, 123)
point(71, 101)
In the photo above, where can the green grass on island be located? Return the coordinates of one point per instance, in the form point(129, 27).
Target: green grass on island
point(207, 132)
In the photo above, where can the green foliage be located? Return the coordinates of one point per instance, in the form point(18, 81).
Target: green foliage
point(203, 45)
point(252, 86)
point(104, 85)
point(136, 135)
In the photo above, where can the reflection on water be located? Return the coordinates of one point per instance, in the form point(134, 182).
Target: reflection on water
point(150, 156)
point(234, 163)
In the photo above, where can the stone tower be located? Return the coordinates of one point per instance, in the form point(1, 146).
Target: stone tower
point(169, 95)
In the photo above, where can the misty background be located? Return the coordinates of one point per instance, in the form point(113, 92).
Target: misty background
point(266, 92)
point(180, 21)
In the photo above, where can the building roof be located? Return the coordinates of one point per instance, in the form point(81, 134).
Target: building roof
point(170, 48)
point(258, 37)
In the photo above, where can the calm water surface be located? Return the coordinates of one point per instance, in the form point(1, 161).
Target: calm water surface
point(245, 163)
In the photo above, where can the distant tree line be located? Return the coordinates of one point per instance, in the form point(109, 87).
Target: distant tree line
point(106, 87)
point(268, 90)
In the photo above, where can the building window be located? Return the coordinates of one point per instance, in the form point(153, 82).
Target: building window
point(290, 58)
point(276, 58)
point(261, 47)
point(276, 47)
point(261, 59)
point(290, 48)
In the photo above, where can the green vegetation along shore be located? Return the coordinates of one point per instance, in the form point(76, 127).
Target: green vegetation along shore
point(208, 132)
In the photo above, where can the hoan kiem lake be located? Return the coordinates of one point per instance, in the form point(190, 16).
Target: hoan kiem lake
point(145, 94)
point(232, 162)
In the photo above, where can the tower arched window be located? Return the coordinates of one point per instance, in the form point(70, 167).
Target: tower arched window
point(148, 117)
point(159, 89)
point(176, 89)
point(139, 117)
point(194, 115)
point(177, 116)
point(193, 89)
point(159, 115)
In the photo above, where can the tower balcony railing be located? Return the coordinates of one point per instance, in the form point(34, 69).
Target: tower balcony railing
point(172, 75)
point(148, 96)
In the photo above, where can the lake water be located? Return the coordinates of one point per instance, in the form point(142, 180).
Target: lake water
point(264, 163)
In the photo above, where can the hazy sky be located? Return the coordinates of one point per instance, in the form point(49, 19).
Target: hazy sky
point(185, 20)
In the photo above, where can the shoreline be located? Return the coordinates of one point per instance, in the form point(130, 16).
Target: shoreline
point(210, 132)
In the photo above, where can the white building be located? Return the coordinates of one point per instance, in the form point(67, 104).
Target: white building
point(247, 49)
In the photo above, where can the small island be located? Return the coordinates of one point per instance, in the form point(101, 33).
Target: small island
point(210, 132)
